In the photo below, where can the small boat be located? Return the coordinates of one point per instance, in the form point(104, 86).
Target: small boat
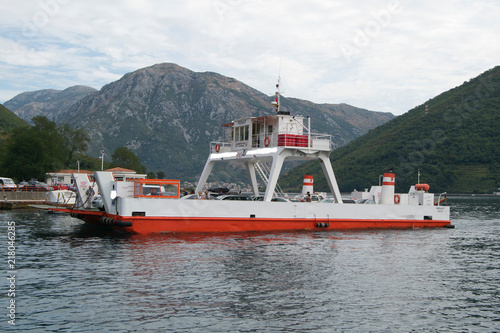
point(60, 197)
point(261, 145)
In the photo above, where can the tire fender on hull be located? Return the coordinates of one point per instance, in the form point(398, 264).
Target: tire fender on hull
point(105, 220)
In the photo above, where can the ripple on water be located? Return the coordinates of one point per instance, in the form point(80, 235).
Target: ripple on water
point(72, 277)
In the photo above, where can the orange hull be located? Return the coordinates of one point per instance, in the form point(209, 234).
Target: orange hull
point(200, 225)
point(149, 225)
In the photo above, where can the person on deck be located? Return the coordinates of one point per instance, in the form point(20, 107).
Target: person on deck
point(90, 196)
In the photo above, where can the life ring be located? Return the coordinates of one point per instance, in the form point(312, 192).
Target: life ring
point(267, 141)
point(397, 199)
point(217, 148)
point(422, 187)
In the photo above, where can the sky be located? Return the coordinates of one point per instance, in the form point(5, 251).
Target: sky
point(389, 55)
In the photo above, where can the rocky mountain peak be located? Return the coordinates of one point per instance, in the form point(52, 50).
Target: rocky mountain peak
point(168, 114)
point(50, 103)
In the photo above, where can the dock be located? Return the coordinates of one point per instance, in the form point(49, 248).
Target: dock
point(18, 204)
point(20, 199)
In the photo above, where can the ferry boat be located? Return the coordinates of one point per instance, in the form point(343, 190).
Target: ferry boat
point(145, 206)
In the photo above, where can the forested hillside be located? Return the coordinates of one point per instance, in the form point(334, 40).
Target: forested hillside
point(9, 120)
point(453, 139)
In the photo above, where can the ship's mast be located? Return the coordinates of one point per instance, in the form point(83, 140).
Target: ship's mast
point(276, 102)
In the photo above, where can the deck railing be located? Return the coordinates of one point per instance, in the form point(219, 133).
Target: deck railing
point(314, 141)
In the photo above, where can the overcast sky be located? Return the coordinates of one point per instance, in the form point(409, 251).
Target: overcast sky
point(386, 55)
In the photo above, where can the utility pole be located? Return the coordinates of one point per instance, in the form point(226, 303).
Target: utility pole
point(102, 160)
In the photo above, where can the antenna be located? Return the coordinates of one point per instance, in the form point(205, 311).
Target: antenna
point(276, 102)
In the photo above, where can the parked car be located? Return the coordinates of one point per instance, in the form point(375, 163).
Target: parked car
point(366, 202)
point(275, 199)
point(234, 197)
point(7, 184)
point(218, 191)
point(59, 186)
point(97, 202)
point(314, 198)
point(211, 196)
point(34, 185)
point(190, 197)
point(344, 200)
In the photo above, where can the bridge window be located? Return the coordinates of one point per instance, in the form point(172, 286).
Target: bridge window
point(241, 133)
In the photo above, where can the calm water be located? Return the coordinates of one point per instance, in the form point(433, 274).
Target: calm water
point(75, 278)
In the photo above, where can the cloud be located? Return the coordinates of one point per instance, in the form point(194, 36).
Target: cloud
point(385, 55)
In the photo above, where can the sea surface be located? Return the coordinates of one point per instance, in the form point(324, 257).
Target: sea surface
point(71, 277)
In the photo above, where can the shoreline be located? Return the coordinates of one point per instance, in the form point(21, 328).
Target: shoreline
point(19, 204)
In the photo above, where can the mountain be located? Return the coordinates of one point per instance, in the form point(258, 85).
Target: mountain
point(344, 122)
point(50, 103)
point(9, 120)
point(452, 139)
point(167, 115)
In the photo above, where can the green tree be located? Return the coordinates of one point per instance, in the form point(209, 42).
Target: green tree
point(75, 141)
point(2, 151)
point(160, 175)
point(30, 152)
point(125, 158)
point(33, 151)
point(24, 157)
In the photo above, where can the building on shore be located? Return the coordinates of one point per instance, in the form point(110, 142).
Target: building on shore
point(65, 176)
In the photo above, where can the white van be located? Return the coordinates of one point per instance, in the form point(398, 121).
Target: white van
point(7, 184)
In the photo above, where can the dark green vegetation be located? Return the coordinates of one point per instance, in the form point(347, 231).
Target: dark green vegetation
point(455, 145)
point(125, 158)
point(9, 120)
point(28, 152)
point(31, 151)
